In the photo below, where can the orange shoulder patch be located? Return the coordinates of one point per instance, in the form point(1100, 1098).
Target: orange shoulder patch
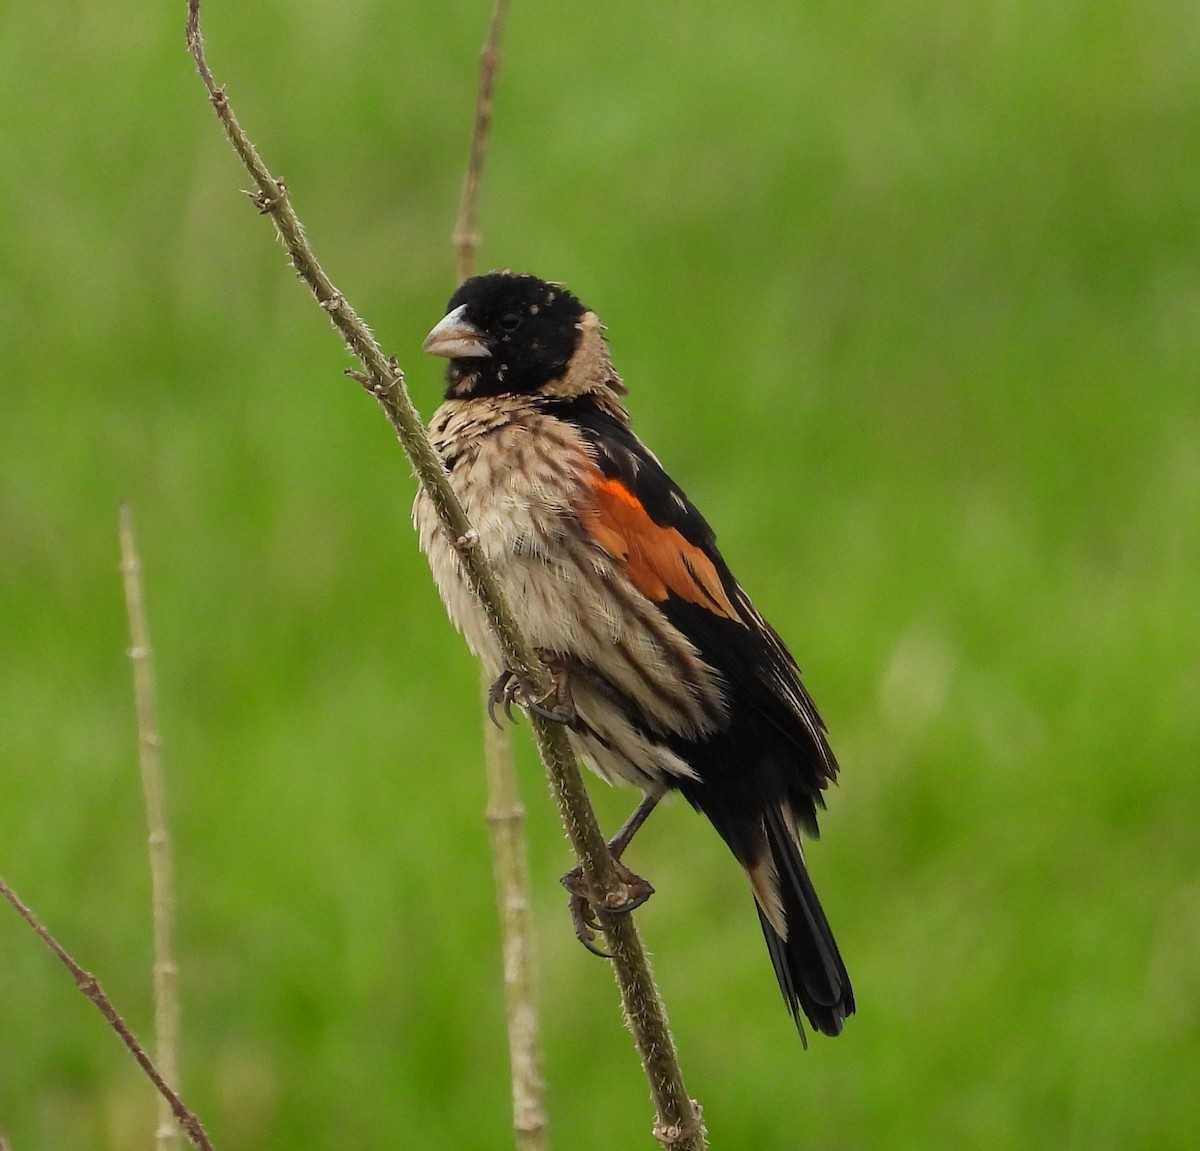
point(657, 560)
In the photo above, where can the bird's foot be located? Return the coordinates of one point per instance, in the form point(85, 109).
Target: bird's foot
point(554, 706)
point(583, 902)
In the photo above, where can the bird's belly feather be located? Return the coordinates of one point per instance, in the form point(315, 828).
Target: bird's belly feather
point(635, 680)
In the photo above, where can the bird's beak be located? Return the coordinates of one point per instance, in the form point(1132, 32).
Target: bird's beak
point(455, 338)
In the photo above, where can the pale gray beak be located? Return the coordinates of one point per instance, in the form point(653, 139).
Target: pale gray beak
point(455, 338)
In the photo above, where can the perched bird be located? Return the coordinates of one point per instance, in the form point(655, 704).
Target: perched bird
point(666, 675)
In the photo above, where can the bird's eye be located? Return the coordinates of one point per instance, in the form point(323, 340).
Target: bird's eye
point(510, 321)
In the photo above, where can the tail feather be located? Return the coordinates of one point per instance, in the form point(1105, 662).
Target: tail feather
point(806, 959)
point(757, 814)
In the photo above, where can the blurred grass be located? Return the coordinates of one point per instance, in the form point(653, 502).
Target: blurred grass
point(909, 299)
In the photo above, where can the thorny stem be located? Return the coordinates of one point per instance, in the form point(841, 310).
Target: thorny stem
point(679, 1125)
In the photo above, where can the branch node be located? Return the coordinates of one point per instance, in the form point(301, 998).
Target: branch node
point(265, 203)
point(468, 238)
point(511, 813)
point(681, 1134)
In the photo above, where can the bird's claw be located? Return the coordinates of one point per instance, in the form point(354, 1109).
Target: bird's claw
point(582, 902)
point(583, 919)
point(508, 690)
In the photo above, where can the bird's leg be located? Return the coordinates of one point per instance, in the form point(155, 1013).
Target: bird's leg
point(630, 828)
point(634, 890)
point(508, 689)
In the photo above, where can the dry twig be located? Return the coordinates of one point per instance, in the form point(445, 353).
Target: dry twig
point(679, 1125)
point(466, 229)
point(90, 986)
point(506, 822)
point(166, 999)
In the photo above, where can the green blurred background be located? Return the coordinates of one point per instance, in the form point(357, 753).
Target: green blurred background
point(908, 297)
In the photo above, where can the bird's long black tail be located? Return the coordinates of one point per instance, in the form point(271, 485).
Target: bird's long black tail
point(807, 962)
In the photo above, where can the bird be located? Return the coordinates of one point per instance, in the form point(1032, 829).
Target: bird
point(666, 676)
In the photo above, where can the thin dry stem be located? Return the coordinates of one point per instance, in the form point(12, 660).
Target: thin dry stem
point(505, 815)
point(678, 1124)
point(506, 822)
point(466, 229)
point(88, 984)
point(166, 997)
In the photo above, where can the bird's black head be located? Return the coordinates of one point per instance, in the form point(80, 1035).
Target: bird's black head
point(506, 333)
